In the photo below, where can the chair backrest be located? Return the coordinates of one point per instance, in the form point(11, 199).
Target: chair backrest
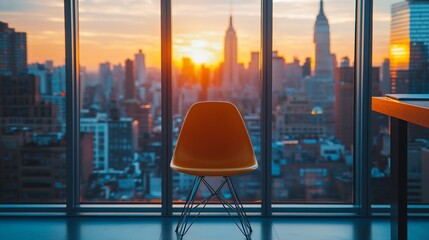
point(213, 136)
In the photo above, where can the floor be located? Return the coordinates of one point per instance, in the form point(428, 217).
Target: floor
point(113, 228)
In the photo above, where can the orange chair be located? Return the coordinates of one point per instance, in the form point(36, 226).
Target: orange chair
point(213, 141)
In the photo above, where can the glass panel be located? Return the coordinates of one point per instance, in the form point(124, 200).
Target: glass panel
point(120, 101)
point(216, 58)
point(32, 102)
point(401, 50)
point(313, 84)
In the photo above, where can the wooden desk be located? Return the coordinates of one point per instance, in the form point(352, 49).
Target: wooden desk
point(401, 113)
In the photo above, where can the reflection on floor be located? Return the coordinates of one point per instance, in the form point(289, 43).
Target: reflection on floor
point(112, 228)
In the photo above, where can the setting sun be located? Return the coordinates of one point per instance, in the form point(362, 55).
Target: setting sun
point(198, 50)
point(399, 55)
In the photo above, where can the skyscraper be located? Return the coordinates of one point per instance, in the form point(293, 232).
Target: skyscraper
point(324, 60)
point(129, 85)
point(13, 49)
point(385, 82)
point(140, 68)
point(409, 47)
point(306, 68)
point(321, 86)
point(106, 80)
point(230, 79)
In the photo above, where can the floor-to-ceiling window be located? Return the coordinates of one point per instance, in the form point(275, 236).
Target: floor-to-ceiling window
point(120, 101)
point(400, 65)
point(312, 101)
point(32, 102)
point(216, 57)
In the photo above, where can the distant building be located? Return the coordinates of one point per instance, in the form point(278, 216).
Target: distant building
point(122, 132)
point(13, 49)
point(205, 83)
point(106, 82)
point(344, 101)
point(293, 74)
point(98, 126)
point(385, 82)
point(254, 69)
point(129, 83)
point(22, 106)
point(320, 88)
point(142, 113)
point(294, 118)
point(409, 47)
point(118, 75)
point(140, 68)
point(306, 68)
point(324, 64)
point(230, 81)
point(279, 65)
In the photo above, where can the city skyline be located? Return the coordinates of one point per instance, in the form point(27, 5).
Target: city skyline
point(118, 39)
point(121, 117)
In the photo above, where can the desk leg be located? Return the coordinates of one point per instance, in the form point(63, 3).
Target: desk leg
point(398, 155)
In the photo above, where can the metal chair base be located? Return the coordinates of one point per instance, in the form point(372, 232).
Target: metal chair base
point(234, 210)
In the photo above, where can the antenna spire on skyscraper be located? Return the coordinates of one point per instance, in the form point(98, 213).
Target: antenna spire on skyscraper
point(321, 15)
point(230, 14)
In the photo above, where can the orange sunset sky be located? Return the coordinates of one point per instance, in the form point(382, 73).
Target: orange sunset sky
point(113, 30)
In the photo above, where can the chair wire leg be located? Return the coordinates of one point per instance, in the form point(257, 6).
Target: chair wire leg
point(239, 208)
point(239, 204)
point(242, 223)
point(186, 204)
point(181, 227)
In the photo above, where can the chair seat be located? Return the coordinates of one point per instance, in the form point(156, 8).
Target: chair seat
point(214, 171)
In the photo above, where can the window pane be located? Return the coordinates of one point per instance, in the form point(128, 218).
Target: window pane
point(313, 84)
point(32, 102)
point(216, 58)
point(120, 101)
point(401, 49)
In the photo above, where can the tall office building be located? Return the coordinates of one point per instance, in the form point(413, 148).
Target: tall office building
point(140, 68)
point(321, 86)
point(385, 82)
point(344, 101)
point(322, 42)
point(306, 68)
point(409, 47)
point(99, 128)
point(106, 81)
point(205, 82)
point(129, 83)
point(230, 81)
point(278, 72)
point(254, 67)
point(13, 49)
point(118, 76)
point(343, 107)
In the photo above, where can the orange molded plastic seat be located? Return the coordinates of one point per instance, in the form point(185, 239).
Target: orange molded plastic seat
point(213, 141)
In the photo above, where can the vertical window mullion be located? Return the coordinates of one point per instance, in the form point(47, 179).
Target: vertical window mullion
point(166, 109)
point(266, 103)
point(363, 66)
point(71, 12)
